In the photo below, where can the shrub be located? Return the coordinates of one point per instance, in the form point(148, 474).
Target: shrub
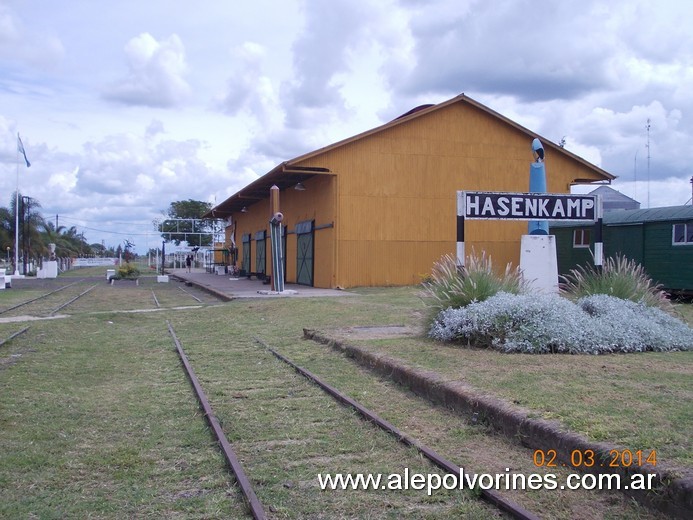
point(454, 286)
point(619, 277)
point(549, 323)
point(127, 271)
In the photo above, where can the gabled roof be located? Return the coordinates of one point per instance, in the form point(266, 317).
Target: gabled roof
point(611, 195)
point(289, 173)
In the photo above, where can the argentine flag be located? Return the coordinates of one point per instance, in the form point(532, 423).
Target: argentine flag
point(20, 148)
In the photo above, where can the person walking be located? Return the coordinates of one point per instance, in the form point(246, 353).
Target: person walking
point(188, 263)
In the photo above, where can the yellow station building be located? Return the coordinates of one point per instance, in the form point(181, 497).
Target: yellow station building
point(379, 208)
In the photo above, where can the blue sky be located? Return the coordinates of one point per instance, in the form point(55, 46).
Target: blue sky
point(126, 106)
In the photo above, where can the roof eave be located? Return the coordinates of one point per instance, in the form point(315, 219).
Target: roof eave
point(283, 176)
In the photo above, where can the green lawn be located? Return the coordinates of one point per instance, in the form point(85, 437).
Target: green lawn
point(97, 419)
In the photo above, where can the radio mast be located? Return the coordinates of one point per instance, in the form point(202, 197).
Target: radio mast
point(648, 162)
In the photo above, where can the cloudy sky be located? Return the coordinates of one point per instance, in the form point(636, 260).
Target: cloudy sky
point(126, 106)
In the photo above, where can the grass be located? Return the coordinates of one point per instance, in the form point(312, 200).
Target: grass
point(98, 421)
point(640, 401)
point(81, 440)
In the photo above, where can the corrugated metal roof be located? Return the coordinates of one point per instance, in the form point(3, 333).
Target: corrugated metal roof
point(638, 216)
point(635, 216)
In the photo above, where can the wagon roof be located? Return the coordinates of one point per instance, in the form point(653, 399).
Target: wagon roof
point(637, 216)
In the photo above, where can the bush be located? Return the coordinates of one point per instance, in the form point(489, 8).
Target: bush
point(127, 271)
point(537, 324)
point(619, 277)
point(454, 286)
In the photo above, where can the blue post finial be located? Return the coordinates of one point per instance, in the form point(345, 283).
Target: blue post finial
point(538, 150)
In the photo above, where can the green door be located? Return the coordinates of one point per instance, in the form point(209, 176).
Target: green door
point(260, 248)
point(245, 265)
point(304, 253)
point(284, 231)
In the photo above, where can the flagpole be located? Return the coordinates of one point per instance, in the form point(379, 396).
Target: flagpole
point(16, 218)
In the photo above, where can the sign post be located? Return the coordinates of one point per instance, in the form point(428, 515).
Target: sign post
point(537, 254)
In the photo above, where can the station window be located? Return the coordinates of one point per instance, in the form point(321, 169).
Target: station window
point(682, 234)
point(581, 238)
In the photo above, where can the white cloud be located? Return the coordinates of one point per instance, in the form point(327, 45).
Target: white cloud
point(274, 80)
point(156, 73)
point(22, 44)
point(65, 180)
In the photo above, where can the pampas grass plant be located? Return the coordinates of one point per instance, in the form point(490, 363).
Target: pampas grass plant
point(619, 277)
point(456, 286)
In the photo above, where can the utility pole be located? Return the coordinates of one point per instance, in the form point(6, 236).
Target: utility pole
point(635, 175)
point(648, 162)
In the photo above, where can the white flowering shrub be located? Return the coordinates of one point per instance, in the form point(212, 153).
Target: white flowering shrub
point(595, 324)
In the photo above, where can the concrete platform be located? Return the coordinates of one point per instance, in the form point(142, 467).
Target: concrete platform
point(229, 288)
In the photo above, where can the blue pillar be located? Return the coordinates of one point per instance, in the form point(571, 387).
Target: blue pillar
point(537, 184)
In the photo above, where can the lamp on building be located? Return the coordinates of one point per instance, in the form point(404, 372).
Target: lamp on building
point(244, 210)
point(300, 187)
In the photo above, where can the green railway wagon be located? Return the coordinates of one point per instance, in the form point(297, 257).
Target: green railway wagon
point(660, 239)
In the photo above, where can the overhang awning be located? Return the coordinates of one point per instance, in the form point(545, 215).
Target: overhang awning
point(283, 176)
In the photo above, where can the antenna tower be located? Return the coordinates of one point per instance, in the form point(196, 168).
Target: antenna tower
point(648, 162)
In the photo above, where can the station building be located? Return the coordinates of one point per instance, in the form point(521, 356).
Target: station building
point(379, 208)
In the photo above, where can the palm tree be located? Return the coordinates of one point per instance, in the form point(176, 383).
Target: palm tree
point(68, 241)
point(76, 241)
point(30, 223)
point(36, 233)
point(53, 235)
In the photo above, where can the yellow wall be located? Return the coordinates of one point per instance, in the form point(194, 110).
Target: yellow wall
point(316, 203)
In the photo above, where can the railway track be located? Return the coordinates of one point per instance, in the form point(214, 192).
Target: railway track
point(13, 335)
point(122, 295)
point(259, 410)
point(507, 507)
point(37, 298)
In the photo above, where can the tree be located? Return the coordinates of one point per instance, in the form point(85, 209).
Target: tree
point(68, 241)
point(127, 251)
point(30, 225)
point(98, 249)
point(36, 233)
point(184, 224)
point(6, 229)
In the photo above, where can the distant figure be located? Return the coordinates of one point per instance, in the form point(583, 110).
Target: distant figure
point(188, 263)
